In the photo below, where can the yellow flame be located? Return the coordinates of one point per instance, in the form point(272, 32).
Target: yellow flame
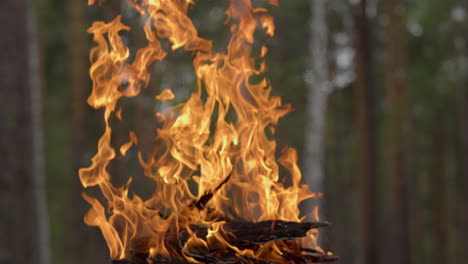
point(188, 148)
point(165, 95)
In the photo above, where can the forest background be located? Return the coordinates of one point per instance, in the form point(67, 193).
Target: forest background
point(380, 91)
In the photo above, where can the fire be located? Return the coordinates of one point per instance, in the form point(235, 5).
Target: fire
point(220, 138)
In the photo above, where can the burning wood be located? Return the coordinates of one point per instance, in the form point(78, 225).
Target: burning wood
point(243, 235)
point(217, 139)
point(206, 197)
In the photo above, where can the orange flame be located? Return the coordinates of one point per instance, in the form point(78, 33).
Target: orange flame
point(189, 148)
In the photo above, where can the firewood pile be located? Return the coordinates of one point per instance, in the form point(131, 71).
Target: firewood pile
point(240, 234)
point(245, 235)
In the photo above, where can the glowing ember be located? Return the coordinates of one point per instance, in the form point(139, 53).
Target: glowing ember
point(217, 140)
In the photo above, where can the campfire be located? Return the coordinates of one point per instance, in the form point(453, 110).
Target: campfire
point(220, 140)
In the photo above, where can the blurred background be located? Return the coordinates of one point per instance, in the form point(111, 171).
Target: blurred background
point(380, 92)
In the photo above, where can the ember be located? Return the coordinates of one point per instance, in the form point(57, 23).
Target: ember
point(217, 139)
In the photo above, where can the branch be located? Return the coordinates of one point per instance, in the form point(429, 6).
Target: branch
point(206, 197)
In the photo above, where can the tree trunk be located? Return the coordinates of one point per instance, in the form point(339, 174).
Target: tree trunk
point(366, 131)
point(11, 76)
point(77, 250)
point(464, 168)
point(341, 190)
point(463, 139)
point(5, 161)
point(32, 245)
point(319, 86)
point(79, 84)
point(398, 131)
point(438, 191)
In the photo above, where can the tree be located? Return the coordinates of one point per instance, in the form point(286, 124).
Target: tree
point(30, 210)
point(77, 250)
point(439, 185)
point(463, 136)
point(78, 78)
point(319, 86)
point(366, 129)
point(464, 164)
point(10, 76)
point(398, 130)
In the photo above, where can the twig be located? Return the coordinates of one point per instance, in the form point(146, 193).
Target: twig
point(200, 204)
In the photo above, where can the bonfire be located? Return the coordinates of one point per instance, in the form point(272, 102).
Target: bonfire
point(220, 140)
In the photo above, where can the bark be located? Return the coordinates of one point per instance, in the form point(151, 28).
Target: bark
point(77, 250)
point(79, 84)
point(464, 167)
point(341, 201)
point(11, 76)
point(31, 232)
point(5, 164)
point(366, 131)
point(314, 174)
point(463, 139)
point(341, 191)
point(398, 129)
point(439, 193)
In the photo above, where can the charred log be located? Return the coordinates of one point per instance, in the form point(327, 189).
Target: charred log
point(266, 231)
point(243, 235)
point(248, 234)
point(230, 257)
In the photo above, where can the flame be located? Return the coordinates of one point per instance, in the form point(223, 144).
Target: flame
point(200, 140)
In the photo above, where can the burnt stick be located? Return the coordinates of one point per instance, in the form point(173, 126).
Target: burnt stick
point(200, 204)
